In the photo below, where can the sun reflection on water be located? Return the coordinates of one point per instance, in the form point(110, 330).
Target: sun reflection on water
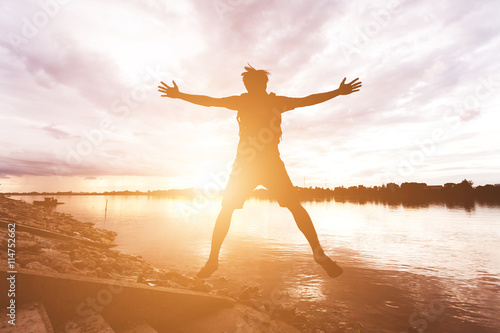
point(307, 287)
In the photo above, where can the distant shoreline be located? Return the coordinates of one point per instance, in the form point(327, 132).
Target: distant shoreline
point(462, 194)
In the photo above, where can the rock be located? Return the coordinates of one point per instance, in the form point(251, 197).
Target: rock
point(177, 278)
point(26, 258)
point(202, 286)
point(106, 267)
point(117, 266)
point(67, 246)
point(45, 243)
point(239, 318)
point(80, 264)
point(224, 292)
point(28, 246)
point(248, 293)
point(101, 274)
point(222, 279)
point(330, 328)
point(37, 266)
point(113, 254)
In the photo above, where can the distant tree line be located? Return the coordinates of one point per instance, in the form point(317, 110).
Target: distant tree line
point(410, 193)
point(407, 193)
point(189, 192)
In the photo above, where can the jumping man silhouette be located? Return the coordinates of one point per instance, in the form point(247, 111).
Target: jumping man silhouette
point(258, 160)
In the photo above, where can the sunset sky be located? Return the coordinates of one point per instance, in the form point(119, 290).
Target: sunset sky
point(79, 107)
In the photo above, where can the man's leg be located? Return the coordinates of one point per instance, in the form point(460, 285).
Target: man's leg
point(220, 231)
point(306, 226)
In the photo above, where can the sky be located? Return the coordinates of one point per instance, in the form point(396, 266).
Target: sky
point(80, 110)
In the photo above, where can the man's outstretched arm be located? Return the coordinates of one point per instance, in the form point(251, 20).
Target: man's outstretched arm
point(173, 92)
point(344, 89)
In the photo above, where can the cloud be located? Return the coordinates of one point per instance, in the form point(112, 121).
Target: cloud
point(25, 166)
point(57, 133)
point(59, 87)
point(63, 62)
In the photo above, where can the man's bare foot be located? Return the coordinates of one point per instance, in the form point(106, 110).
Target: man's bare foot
point(208, 269)
point(329, 265)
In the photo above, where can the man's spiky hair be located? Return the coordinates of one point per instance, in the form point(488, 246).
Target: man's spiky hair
point(253, 74)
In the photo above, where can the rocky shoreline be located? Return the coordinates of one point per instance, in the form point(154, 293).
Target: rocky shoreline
point(72, 257)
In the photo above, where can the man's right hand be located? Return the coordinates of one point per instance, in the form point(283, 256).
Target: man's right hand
point(172, 92)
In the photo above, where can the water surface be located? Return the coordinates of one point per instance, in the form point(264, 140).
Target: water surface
point(454, 247)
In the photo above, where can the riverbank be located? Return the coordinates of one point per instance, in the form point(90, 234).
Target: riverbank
point(408, 194)
point(63, 256)
point(364, 299)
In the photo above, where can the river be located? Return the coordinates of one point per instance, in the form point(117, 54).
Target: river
point(444, 261)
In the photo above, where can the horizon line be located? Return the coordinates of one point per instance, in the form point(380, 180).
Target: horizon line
point(219, 190)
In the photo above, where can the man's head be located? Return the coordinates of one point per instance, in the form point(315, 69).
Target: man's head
point(255, 80)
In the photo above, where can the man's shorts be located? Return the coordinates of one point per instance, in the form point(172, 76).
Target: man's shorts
point(266, 170)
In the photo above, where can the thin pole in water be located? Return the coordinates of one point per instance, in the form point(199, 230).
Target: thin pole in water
point(106, 210)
